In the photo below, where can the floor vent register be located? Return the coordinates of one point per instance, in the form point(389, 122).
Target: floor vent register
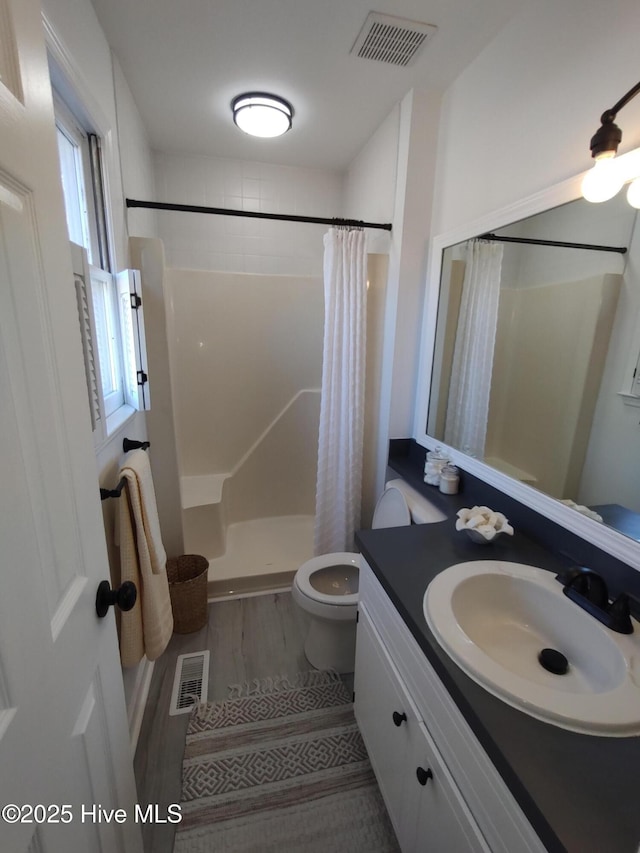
point(190, 683)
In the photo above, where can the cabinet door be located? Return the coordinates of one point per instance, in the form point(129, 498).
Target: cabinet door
point(379, 695)
point(444, 822)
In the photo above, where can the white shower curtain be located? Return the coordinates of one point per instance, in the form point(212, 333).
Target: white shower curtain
point(470, 387)
point(339, 481)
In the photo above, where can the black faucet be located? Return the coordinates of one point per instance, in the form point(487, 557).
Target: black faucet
point(589, 590)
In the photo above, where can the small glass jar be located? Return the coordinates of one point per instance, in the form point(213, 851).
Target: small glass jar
point(436, 460)
point(449, 480)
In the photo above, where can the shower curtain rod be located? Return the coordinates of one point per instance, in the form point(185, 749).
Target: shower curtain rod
point(226, 211)
point(621, 250)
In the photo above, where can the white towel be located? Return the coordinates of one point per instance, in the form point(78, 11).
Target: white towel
point(147, 628)
point(142, 497)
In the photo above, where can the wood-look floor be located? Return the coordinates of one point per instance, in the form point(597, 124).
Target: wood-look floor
point(248, 638)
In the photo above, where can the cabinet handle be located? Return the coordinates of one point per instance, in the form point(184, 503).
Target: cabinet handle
point(399, 719)
point(424, 775)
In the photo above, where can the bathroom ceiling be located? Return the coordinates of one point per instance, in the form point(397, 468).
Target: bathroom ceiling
point(185, 60)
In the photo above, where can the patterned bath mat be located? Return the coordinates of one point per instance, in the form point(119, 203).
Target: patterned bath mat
point(280, 768)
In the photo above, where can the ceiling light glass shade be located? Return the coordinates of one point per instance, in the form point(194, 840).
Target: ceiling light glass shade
point(603, 181)
point(633, 193)
point(260, 114)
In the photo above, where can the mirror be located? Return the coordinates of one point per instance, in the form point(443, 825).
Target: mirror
point(534, 374)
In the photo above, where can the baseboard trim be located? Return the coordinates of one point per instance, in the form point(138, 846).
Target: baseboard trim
point(135, 711)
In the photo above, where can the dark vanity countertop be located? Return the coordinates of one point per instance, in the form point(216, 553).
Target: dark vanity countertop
point(580, 792)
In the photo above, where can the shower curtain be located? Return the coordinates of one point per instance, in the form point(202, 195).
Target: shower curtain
point(340, 441)
point(470, 387)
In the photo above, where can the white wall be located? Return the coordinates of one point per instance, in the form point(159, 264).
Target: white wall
point(520, 117)
point(419, 118)
point(80, 49)
point(370, 181)
point(135, 158)
point(238, 244)
point(391, 180)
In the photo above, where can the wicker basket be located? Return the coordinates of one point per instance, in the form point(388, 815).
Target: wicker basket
point(187, 577)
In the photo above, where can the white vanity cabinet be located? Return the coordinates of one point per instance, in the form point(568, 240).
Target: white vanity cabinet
point(386, 717)
point(441, 790)
point(425, 806)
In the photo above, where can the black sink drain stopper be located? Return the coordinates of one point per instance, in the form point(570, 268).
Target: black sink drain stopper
point(553, 661)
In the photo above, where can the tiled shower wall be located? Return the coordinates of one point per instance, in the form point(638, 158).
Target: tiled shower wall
point(238, 244)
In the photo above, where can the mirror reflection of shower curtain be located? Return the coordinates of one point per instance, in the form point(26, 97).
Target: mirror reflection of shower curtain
point(340, 442)
point(470, 387)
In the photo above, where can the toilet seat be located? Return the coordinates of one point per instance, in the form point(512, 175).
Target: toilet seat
point(325, 561)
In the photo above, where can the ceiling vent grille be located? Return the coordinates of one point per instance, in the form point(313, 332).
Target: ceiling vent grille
point(386, 38)
point(190, 684)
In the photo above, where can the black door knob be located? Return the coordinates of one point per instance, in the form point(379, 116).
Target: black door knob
point(124, 597)
point(424, 775)
point(399, 719)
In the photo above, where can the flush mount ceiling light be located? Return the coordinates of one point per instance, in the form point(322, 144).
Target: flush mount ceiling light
point(606, 178)
point(261, 114)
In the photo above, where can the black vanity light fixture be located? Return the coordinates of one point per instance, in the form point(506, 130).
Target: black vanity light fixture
point(261, 114)
point(607, 178)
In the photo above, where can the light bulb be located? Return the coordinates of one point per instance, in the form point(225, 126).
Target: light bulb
point(633, 193)
point(603, 181)
point(262, 115)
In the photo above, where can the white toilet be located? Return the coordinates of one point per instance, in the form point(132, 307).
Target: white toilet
point(326, 587)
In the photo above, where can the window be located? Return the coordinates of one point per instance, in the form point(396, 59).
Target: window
point(108, 339)
point(109, 306)
point(73, 185)
point(81, 172)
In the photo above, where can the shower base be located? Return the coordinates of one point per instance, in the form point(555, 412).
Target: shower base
point(261, 554)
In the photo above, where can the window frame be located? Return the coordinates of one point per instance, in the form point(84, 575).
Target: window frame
point(71, 128)
point(109, 341)
point(99, 291)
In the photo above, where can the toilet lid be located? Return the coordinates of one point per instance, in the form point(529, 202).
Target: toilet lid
point(391, 510)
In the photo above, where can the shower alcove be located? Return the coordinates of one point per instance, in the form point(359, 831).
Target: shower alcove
point(236, 368)
point(246, 364)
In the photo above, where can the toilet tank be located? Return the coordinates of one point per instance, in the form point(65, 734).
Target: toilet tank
point(421, 509)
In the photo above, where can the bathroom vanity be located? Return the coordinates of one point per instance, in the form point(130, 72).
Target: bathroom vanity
point(422, 750)
point(460, 769)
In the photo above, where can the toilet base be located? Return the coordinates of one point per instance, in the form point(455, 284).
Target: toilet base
point(331, 645)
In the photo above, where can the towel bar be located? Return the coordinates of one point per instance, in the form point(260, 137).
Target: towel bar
point(127, 445)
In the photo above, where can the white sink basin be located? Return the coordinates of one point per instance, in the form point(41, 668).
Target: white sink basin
point(493, 618)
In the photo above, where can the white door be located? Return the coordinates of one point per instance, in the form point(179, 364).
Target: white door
point(64, 741)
